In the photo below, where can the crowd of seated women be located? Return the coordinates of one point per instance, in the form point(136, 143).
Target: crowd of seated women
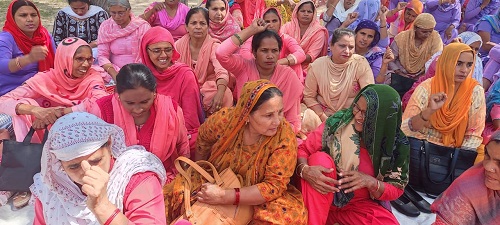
point(303, 107)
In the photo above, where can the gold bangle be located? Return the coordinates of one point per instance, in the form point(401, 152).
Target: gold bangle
point(302, 170)
point(109, 67)
point(378, 187)
point(297, 168)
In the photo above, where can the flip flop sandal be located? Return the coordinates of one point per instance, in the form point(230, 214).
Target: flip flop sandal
point(21, 199)
point(5, 196)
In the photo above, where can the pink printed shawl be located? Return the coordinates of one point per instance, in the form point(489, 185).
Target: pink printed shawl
point(59, 86)
point(226, 28)
point(292, 28)
point(111, 31)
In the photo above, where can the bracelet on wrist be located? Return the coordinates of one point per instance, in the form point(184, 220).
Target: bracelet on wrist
point(109, 67)
point(239, 38)
point(237, 196)
point(110, 219)
point(301, 174)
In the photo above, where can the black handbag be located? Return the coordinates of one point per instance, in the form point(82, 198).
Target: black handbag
point(401, 84)
point(434, 167)
point(20, 162)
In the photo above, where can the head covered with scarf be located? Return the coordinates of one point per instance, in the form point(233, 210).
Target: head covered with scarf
point(236, 118)
point(414, 5)
point(368, 24)
point(41, 36)
point(152, 36)
point(59, 85)
point(451, 120)
point(81, 134)
point(413, 58)
point(226, 28)
point(386, 144)
point(493, 20)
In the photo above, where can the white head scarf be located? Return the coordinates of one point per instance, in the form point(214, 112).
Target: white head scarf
point(91, 12)
point(79, 134)
point(341, 13)
point(467, 38)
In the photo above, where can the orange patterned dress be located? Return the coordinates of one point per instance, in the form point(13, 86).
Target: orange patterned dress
point(268, 164)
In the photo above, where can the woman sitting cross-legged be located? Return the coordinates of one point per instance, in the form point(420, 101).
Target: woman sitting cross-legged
point(254, 141)
point(358, 151)
point(147, 118)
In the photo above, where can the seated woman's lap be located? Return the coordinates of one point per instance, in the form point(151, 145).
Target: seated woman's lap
point(364, 211)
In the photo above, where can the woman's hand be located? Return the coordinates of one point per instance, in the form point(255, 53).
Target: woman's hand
point(38, 124)
point(401, 6)
point(321, 183)
point(211, 194)
point(388, 56)
point(354, 180)
point(382, 14)
point(159, 6)
point(448, 31)
point(258, 25)
point(47, 115)
point(216, 103)
point(436, 101)
point(351, 17)
point(38, 53)
point(94, 185)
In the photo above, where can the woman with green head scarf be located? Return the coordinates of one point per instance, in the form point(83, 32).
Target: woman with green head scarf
point(356, 161)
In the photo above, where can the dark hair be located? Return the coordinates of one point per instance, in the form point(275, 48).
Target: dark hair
point(84, 1)
point(195, 10)
point(265, 96)
point(257, 39)
point(209, 3)
point(134, 75)
point(339, 33)
point(273, 11)
point(303, 4)
point(20, 3)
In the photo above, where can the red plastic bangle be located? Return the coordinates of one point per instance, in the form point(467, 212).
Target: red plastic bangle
point(110, 219)
point(237, 196)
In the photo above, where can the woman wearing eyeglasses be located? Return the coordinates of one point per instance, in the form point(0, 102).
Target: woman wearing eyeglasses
point(197, 49)
point(73, 85)
point(174, 78)
point(120, 37)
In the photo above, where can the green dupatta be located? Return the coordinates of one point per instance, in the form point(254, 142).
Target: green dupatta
point(387, 145)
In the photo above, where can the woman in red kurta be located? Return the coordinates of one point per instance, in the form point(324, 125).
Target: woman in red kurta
point(149, 119)
point(361, 157)
point(174, 79)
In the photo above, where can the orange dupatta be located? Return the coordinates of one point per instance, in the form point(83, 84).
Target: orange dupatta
point(236, 118)
point(451, 120)
point(417, 7)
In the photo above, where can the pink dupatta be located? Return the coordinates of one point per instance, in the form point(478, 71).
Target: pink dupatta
point(173, 23)
point(164, 139)
point(292, 28)
point(209, 46)
point(226, 28)
point(59, 86)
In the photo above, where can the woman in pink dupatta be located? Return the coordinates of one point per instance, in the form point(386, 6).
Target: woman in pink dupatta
point(197, 49)
point(291, 55)
point(175, 79)
point(222, 24)
point(266, 46)
point(170, 15)
point(149, 119)
point(73, 85)
point(120, 37)
point(306, 29)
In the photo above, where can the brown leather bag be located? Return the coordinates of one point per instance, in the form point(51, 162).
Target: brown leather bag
point(201, 213)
